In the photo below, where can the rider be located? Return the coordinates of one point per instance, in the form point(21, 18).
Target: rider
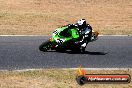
point(84, 29)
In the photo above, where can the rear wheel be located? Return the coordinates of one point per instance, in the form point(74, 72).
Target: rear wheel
point(82, 50)
point(45, 46)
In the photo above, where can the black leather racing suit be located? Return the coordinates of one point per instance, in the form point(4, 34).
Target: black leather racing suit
point(86, 34)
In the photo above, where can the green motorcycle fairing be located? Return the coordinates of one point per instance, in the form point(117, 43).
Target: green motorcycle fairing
point(68, 34)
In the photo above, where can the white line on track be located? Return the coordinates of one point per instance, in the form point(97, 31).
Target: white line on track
point(115, 35)
point(103, 68)
point(24, 70)
point(23, 35)
point(49, 35)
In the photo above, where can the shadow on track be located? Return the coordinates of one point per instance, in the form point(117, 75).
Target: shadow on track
point(86, 52)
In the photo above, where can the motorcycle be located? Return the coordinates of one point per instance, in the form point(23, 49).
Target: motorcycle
point(68, 40)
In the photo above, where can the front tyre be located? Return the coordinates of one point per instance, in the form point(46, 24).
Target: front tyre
point(45, 46)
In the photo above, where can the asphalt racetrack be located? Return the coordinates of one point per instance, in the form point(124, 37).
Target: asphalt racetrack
point(21, 52)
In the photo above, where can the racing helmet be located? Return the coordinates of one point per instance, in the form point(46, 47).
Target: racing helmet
point(81, 23)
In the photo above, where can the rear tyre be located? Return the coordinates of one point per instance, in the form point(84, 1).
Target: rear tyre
point(82, 50)
point(45, 46)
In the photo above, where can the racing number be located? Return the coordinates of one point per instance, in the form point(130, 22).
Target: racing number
point(55, 32)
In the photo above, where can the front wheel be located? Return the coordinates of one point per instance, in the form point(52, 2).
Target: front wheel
point(45, 46)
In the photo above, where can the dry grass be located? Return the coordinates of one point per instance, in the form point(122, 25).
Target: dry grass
point(54, 78)
point(40, 17)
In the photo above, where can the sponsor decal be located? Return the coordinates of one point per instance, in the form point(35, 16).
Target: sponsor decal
point(83, 78)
